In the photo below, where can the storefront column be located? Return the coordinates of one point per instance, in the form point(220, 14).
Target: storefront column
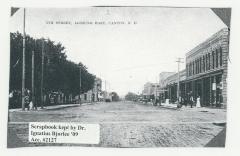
point(214, 87)
point(185, 92)
point(193, 89)
point(210, 92)
point(169, 93)
point(202, 92)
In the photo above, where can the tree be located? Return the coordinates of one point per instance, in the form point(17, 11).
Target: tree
point(115, 96)
point(60, 74)
point(131, 96)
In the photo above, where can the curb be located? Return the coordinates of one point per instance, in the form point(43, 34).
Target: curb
point(52, 107)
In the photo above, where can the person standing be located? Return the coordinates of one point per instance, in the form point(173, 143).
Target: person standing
point(27, 99)
point(191, 101)
point(198, 104)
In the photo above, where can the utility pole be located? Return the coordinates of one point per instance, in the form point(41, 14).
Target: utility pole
point(156, 85)
point(105, 90)
point(179, 60)
point(42, 76)
point(23, 61)
point(105, 85)
point(33, 88)
point(80, 83)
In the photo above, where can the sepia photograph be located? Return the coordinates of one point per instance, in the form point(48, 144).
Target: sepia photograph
point(118, 76)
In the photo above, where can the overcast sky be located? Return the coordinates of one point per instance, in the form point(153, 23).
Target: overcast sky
point(125, 55)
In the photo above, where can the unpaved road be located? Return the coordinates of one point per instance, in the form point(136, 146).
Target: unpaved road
point(128, 124)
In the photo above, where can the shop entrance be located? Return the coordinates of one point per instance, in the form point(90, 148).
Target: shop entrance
point(206, 92)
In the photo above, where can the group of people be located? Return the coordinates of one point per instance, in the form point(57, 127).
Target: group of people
point(189, 100)
point(15, 100)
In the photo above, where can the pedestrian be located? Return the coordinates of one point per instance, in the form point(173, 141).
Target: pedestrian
point(198, 104)
point(179, 102)
point(191, 101)
point(27, 99)
point(31, 105)
point(185, 101)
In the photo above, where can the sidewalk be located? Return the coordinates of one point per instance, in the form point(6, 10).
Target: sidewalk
point(194, 108)
point(170, 106)
point(53, 107)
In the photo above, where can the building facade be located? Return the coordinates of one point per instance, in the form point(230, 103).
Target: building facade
point(169, 86)
point(205, 76)
point(151, 90)
point(95, 94)
point(206, 70)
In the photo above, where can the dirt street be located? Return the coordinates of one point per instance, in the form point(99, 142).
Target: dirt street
point(128, 124)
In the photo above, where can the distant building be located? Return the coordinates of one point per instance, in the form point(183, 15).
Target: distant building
point(150, 90)
point(163, 76)
point(106, 96)
point(94, 94)
point(169, 86)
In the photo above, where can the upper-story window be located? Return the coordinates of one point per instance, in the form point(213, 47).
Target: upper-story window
point(206, 61)
point(221, 56)
point(217, 58)
point(197, 66)
point(203, 63)
point(209, 61)
point(193, 72)
point(200, 66)
point(213, 59)
point(190, 66)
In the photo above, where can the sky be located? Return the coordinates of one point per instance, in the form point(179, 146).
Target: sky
point(124, 46)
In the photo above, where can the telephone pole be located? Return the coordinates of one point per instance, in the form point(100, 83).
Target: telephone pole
point(80, 83)
point(156, 87)
point(23, 61)
point(179, 60)
point(33, 88)
point(42, 76)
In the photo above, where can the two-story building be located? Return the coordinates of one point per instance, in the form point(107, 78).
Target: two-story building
point(206, 70)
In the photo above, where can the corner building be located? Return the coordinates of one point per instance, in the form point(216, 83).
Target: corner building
point(206, 70)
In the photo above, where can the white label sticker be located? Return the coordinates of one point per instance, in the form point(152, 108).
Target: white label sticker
point(54, 132)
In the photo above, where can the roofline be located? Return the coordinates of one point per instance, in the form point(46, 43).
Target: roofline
point(213, 37)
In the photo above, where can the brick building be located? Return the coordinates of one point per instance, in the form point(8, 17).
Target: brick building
point(205, 74)
point(206, 70)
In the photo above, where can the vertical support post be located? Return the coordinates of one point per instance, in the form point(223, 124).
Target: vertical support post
point(210, 99)
point(80, 83)
point(203, 96)
point(23, 61)
point(178, 83)
point(214, 91)
point(33, 88)
point(42, 75)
